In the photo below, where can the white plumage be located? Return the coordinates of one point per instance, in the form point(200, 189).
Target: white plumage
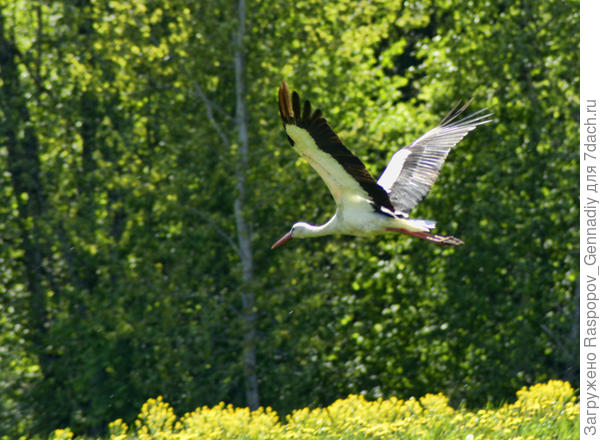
point(364, 206)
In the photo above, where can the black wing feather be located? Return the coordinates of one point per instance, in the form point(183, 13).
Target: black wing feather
point(330, 143)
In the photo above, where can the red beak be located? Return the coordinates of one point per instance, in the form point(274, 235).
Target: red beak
point(286, 237)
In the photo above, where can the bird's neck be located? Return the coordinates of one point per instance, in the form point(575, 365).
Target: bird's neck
point(319, 230)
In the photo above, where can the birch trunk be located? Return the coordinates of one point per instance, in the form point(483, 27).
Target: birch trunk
point(243, 229)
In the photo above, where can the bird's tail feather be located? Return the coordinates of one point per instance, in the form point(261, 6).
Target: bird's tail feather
point(427, 225)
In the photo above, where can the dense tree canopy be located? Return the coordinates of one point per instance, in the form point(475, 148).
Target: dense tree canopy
point(144, 175)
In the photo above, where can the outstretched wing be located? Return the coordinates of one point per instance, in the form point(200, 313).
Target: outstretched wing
point(414, 169)
point(312, 137)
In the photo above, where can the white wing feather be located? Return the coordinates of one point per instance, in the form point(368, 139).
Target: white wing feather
point(413, 170)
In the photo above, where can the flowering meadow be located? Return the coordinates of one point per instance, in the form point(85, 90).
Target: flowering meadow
point(544, 411)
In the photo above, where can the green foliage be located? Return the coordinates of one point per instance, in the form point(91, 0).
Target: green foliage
point(121, 271)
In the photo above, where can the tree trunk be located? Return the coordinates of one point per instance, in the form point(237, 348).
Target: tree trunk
point(23, 163)
point(243, 228)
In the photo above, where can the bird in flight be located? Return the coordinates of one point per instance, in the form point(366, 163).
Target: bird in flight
point(367, 207)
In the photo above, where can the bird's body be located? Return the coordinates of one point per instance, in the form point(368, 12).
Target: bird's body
point(366, 207)
point(357, 217)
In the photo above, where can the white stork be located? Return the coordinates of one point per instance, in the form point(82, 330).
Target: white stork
point(367, 207)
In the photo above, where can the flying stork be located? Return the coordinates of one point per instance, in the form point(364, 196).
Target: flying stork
point(365, 206)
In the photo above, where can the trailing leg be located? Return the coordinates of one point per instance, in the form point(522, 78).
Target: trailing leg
point(439, 240)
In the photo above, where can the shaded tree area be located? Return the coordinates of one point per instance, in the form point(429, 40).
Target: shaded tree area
point(144, 176)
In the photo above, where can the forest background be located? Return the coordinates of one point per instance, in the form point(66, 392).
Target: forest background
point(144, 175)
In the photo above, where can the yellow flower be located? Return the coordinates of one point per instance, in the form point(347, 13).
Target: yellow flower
point(542, 409)
point(436, 403)
point(62, 434)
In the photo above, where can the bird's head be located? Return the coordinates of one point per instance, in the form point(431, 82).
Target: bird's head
point(299, 230)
